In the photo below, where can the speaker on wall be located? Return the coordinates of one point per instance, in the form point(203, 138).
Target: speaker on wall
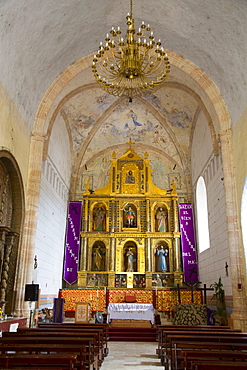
point(31, 292)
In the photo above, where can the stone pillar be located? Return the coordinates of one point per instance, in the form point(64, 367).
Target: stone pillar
point(30, 223)
point(238, 270)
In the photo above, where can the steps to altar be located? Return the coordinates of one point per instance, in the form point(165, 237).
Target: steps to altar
point(130, 323)
point(132, 334)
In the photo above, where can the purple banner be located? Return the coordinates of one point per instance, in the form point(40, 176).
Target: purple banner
point(189, 255)
point(72, 246)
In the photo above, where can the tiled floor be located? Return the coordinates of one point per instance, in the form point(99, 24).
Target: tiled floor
point(132, 355)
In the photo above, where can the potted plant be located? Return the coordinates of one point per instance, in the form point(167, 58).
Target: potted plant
point(219, 298)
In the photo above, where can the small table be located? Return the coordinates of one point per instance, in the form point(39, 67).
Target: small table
point(131, 311)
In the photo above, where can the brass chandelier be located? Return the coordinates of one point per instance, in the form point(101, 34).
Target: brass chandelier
point(132, 65)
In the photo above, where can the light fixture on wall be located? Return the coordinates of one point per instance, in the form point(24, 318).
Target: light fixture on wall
point(131, 65)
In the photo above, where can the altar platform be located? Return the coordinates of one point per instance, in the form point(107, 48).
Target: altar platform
point(100, 298)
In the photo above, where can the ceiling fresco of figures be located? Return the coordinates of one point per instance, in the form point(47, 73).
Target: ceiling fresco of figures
point(160, 124)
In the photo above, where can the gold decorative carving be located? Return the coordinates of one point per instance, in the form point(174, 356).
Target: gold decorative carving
point(131, 206)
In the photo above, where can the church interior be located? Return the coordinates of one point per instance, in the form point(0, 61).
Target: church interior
point(136, 171)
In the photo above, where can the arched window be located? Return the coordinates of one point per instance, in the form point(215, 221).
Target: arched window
point(202, 215)
point(244, 218)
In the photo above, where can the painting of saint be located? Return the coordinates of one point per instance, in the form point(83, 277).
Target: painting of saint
point(130, 179)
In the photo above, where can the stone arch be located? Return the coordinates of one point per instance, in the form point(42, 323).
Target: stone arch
point(223, 134)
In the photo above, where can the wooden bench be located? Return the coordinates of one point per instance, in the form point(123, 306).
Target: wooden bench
point(172, 349)
point(87, 344)
point(210, 355)
point(37, 361)
point(44, 348)
point(219, 366)
point(163, 329)
point(104, 327)
point(163, 335)
point(97, 333)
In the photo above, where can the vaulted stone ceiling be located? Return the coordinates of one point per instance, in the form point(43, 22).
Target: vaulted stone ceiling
point(41, 38)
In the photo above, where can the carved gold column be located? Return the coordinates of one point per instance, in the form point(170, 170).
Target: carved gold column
point(148, 255)
point(112, 254)
point(86, 218)
point(148, 224)
point(83, 261)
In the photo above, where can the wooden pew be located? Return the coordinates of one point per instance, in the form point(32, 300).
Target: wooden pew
point(96, 332)
point(163, 329)
point(192, 355)
point(163, 341)
point(37, 361)
point(44, 348)
point(86, 342)
point(105, 328)
point(172, 350)
point(218, 366)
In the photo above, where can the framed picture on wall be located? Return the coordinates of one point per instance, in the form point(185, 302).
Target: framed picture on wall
point(82, 312)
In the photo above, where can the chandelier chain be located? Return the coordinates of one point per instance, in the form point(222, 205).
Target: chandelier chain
point(131, 8)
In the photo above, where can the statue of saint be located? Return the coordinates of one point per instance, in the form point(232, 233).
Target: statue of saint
point(161, 216)
point(98, 258)
point(162, 254)
point(130, 216)
point(99, 219)
point(130, 260)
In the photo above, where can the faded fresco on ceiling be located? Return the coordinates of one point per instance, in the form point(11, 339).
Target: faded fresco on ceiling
point(83, 111)
point(173, 104)
point(131, 122)
point(131, 119)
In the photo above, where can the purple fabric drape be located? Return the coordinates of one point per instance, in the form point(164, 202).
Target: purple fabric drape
point(189, 255)
point(72, 246)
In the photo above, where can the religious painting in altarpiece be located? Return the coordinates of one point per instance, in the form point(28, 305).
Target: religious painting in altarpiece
point(130, 229)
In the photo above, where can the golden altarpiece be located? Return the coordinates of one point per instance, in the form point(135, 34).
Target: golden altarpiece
point(126, 225)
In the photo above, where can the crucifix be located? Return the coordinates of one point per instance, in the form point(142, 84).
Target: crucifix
point(177, 289)
point(130, 143)
point(204, 290)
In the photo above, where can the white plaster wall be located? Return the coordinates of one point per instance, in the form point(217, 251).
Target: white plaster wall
point(202, 147)
point(204, 163)
point(52, 212)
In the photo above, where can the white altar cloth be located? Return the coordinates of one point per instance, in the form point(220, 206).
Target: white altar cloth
point(131, 311)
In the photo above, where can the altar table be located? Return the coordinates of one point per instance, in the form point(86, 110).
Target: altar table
point(131, 311)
